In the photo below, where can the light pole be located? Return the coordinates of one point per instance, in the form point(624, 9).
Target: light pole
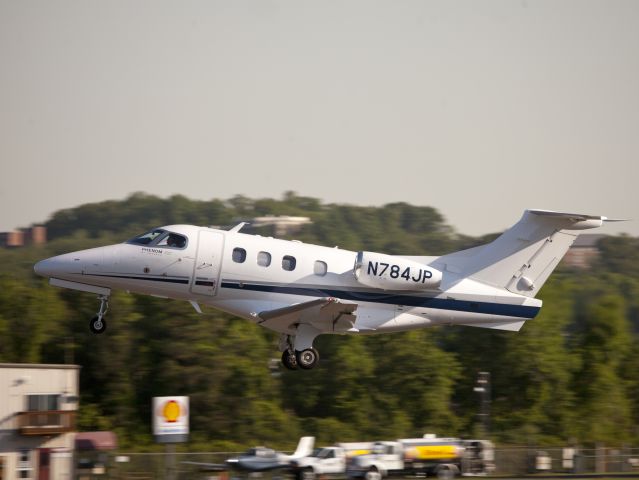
point(483, 389)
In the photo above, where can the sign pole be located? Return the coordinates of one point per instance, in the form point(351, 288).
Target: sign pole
point(170, 426)
point(170, 461)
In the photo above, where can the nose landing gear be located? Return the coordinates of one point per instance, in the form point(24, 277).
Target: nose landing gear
point(98, 323)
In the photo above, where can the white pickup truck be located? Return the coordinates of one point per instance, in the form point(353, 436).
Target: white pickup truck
point(328, 461)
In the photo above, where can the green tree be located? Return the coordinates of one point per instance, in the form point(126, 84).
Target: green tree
point(421, 376)
point(604, 409)
point(534, 398)
point(29, 318)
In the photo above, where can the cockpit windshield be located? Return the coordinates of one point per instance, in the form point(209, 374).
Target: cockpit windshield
point(160, 238)
point(148, 237)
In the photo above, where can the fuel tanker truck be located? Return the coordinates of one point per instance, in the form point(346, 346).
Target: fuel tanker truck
point(444, 458)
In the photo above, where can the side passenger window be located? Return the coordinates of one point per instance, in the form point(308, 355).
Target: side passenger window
point(263, 259)
point(239, 255)
point(320, 268)
point(288, 263)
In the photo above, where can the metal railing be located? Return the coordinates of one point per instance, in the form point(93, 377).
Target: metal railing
point(515, 461)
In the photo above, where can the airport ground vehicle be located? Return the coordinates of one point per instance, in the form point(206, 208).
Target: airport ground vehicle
point(429, 456)
point(328, 461)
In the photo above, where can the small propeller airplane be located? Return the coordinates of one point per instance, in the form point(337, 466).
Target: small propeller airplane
point(260, 459)
point(302, 290)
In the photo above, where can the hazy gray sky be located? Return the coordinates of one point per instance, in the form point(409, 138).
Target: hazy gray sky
point(478, 108)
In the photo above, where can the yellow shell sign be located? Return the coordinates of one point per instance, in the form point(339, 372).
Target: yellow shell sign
point(171, 411)
point(170, 418)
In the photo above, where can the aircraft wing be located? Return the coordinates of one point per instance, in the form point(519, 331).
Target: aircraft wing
point(207, 467)
point(257, 465)
point(325, 314)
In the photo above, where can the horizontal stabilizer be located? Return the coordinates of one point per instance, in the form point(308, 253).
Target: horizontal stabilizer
point(576, 217)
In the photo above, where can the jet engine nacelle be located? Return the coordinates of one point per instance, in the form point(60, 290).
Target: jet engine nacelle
point(394, 273)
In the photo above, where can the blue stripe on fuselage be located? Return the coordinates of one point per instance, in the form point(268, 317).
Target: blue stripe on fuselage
point(488, 308)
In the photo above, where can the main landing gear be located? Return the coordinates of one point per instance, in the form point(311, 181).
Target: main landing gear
point(293, 358)
point(98, 323)
point(289, 360)
point(306, 359)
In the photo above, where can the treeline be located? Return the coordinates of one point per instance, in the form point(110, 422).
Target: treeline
point(571, 375)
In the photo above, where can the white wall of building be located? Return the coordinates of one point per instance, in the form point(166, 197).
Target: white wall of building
point(17, 382)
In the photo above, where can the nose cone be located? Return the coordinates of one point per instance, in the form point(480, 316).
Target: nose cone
point(45, 268)
point(60, 266)
point(57, 266)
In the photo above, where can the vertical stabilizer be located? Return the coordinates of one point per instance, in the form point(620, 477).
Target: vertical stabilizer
point(304, 447)
point(524, 256)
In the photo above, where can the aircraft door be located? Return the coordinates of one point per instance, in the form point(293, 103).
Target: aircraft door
point(208, 262)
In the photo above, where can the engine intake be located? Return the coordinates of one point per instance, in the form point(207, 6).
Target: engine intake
point(388, 272)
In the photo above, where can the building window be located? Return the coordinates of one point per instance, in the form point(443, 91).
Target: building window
point(320, 268)
point(239, 255)
point(24, 464)
point(263, 259)
point(288, 263)
point(43, 403)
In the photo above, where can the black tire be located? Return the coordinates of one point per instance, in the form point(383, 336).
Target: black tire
point(307, 359)
point(308, 474)
point(372, 474)
point(445, 473)
point(289, 360)
point(97, 325)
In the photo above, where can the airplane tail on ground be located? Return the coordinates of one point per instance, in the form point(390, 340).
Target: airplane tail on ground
point(524, 256)
point(304, 447)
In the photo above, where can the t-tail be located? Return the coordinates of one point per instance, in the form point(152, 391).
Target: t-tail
point(524, 256)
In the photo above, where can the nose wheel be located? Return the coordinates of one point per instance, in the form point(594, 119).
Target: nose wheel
point(98, 323)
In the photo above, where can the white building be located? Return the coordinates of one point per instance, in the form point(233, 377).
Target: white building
point(38, 405)
point(282, 225)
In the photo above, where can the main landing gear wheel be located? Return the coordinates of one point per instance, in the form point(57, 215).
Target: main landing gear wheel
point(98, 323)
point(307, 359)
point(289, 360)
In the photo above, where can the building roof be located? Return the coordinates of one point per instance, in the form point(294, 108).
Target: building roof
point(42, 366)
point(96, 441)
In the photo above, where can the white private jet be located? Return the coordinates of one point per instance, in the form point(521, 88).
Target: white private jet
point(302, 290)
